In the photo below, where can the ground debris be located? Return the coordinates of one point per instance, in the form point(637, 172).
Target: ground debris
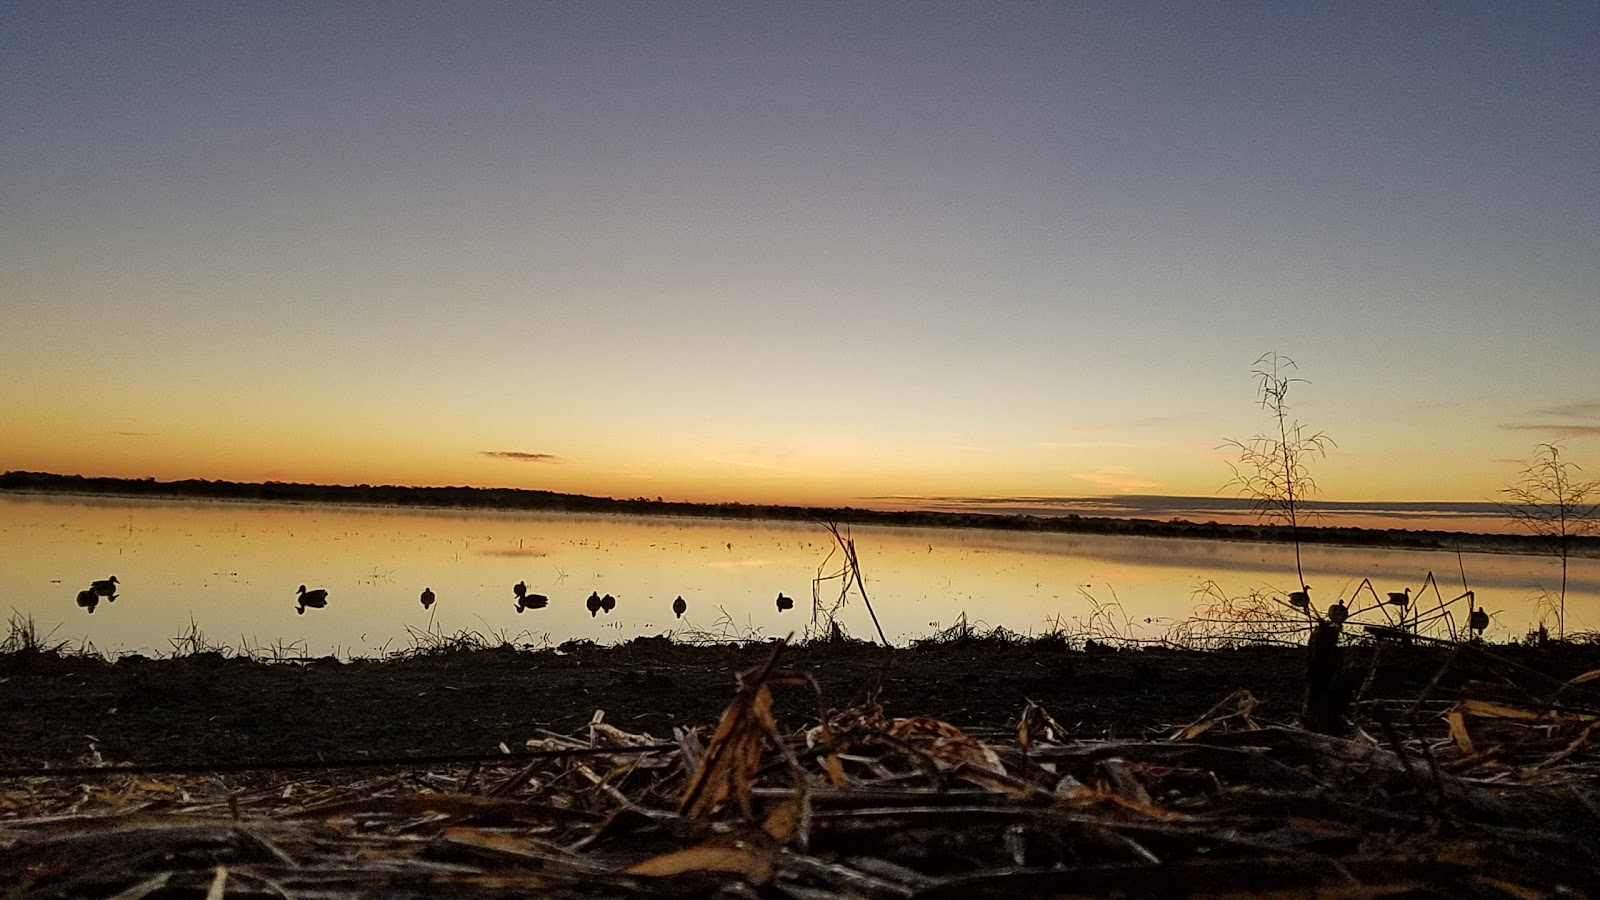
point(1464, 796)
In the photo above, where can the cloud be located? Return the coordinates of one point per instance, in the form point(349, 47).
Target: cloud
point(1558, 430)
point(519, 456)
point(1583, 409)
point(1115, 478)
point(1584, 416)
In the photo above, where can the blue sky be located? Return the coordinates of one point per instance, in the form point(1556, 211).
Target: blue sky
point(797, 252)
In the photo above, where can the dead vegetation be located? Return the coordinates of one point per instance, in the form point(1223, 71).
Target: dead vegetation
point(23, 639)
point(1484, 795)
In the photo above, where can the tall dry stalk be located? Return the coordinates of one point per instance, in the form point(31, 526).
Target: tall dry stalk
point(1548, 502)
point(825, 614)
point(1274, 469)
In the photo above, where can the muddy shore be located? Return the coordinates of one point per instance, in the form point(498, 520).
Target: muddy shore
point(206, 708)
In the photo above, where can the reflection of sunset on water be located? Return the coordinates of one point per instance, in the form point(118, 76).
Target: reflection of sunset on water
point(231, 569)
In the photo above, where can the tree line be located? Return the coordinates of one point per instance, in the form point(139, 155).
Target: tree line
point(461, 497)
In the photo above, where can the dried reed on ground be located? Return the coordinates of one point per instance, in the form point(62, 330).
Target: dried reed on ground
point(1481, 796)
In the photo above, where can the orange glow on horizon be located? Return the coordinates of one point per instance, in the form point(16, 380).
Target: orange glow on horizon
point(679, 490)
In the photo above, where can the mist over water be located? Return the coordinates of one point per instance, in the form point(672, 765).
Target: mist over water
point(230, 570)
point(1476, 517)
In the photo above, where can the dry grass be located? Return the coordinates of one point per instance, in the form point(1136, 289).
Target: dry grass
point(1479, 797)
point(23, 637)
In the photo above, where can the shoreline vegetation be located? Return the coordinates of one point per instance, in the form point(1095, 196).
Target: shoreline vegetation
point(851, 771)
point(519, 499)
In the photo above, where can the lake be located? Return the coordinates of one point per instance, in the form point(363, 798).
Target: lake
point(229, 572)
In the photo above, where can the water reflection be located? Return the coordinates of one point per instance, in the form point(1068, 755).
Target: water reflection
point(229, 571)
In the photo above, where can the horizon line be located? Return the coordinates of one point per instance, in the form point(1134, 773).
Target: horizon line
point(1101, 504)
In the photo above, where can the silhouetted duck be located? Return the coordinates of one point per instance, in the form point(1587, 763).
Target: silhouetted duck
point(593, 603)
point(520, 589)
point(1400, 599)
point(1479, 620)
point(532, 601)
point(106, 589)
point(608, 603)
point(316, 599)
point(679, 607)
point(1301, 599)
point(427, 598)
point(88, 599)
point(784, 602)
point(1338, 612)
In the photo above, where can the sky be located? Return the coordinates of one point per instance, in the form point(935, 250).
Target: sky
point(798, 252)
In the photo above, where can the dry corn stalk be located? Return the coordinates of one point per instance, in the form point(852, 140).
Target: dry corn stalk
point(729, 766)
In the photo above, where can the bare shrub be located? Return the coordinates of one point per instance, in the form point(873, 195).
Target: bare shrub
point(1551, 502)
point(1274, 469)
point(1222, 622)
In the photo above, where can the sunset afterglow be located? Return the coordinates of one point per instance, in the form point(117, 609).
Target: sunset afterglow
point(868, 254)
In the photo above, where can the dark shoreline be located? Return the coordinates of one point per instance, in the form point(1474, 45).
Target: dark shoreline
point(209, 706)
point(551, 501)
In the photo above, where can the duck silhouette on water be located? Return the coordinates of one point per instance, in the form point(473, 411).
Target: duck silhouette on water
point(88, 599)
point(427, 598)
point(526, 600)
point(106, 588)
point(596, 603)
point(784, 602)
point(679, 606)
point(1479, 620)
point(317, 599)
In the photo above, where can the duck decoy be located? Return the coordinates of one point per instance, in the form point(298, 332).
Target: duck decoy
point(679, 607)
point(1338, 612)
point(317, 599)
point(106, 589)
point(784, 602)
point(427, 598)
point(532, 601)
point(593, 603)
point(608, 603)
point(1301, 599)
point(88, 599)
point(1479, 620)
point(1401, 599)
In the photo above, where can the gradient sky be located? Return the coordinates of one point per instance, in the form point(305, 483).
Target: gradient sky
point(797, 252)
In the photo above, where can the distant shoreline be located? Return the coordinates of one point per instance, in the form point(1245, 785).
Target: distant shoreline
point(551, 501)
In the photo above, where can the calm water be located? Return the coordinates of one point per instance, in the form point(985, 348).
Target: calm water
point(231, 569)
